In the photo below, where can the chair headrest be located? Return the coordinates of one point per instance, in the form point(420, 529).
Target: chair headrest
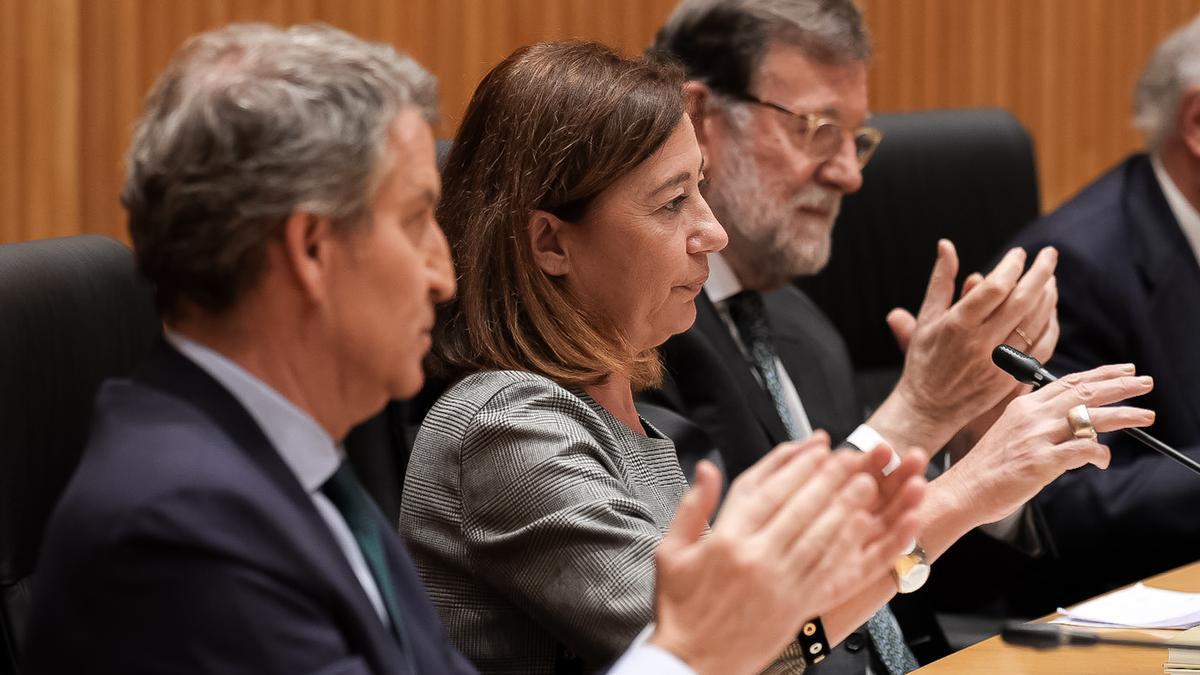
point(966, 175)
point(73, 312)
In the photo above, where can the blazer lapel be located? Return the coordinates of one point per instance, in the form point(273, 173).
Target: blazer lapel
point(710, 324)
point(1171, 274)
point(171, 372)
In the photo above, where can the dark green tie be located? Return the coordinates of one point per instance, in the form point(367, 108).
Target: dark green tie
point(348, 495)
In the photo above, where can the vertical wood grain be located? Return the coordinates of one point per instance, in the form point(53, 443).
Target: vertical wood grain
point(73, 73)
point(12, 123)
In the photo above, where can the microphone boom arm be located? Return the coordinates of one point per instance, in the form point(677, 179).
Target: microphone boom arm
point(1029, 370)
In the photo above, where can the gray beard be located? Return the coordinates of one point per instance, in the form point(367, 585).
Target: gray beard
point(770, 241)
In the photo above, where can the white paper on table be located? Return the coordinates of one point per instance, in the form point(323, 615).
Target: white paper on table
point(1138, 606)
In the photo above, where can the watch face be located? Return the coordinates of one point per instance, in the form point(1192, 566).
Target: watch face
point(914, 579)
point(911, 570)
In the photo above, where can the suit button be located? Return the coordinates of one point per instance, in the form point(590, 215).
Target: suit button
point(854, 642)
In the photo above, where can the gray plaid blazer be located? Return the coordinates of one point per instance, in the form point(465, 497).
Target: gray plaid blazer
point(533, 515)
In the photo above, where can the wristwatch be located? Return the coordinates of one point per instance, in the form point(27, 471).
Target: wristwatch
point(911, 569)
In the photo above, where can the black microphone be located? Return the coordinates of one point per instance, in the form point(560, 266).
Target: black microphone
point(1051, 636)
point(1022, 366)
point(1029, 370)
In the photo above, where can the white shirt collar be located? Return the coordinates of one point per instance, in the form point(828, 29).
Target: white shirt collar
point(722, 282)
point(303, 443)
point(1185, 214)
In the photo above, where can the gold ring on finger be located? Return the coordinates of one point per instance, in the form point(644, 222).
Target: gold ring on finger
point(1021, 334)
point(1081, 422)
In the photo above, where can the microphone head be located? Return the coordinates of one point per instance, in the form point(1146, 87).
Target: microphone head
point(1045, 635)
point(1020, 365)
point(1036, 635)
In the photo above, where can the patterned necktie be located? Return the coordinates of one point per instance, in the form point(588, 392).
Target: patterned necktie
point(889, 642)
point(348, 495)
point(750, 317)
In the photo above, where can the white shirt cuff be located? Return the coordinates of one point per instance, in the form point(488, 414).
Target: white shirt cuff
point(867, 439)
point(644, 659)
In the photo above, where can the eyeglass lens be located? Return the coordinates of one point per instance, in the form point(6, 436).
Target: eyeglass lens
point(827, 138)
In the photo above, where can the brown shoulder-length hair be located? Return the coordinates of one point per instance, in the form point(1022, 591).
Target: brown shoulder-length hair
point(549, 128)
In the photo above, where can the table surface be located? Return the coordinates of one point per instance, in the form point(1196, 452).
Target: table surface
point(994, 656)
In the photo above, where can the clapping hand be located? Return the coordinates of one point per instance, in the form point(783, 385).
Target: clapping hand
point(800, 532)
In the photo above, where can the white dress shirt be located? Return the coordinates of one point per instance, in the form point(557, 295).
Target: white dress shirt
point(302, 443)
point(313, 457)
point(1185, 214)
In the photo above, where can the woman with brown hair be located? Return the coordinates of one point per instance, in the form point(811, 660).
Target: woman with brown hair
point(536, 496)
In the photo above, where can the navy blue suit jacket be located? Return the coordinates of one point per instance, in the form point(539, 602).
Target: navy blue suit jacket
point(1129, 291)
point(184, 544)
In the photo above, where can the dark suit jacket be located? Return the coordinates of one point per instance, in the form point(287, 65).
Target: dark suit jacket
point(184, 544)
point(1129, 291)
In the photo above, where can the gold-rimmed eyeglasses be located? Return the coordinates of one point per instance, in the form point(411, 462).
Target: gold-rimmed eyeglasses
point(822, 136)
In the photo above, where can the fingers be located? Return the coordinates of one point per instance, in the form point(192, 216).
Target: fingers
point(902, 323)
point(695, 509)
point(1069, 382)
point(845, 565)
point(973, 279)
point(805, 540)
point(911, 464)
point(848, 562)
point(1020, 309)
point(877, 458)
point(817, 496)
point(1080, 451)
point(940, 291)
point(1102, 392)
point(895, 542)
point(1046, 308)
point(1037, 320)
point(1043, 349)
point(903, 500)
point(779, 456)
point(994, 289)
point(1120, 417)
point(749, 507)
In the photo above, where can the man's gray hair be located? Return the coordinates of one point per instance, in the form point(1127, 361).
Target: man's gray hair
point(249, 124)
point(1173, 69)
point(722, 42)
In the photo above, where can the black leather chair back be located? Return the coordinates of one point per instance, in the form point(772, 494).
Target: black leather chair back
point(73, 312)
point(966, 175)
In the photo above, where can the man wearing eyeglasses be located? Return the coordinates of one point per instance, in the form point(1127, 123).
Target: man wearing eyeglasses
point(778, 98)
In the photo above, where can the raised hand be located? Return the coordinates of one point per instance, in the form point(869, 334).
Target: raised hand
point(948, 377)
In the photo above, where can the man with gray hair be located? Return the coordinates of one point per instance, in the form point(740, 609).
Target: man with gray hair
point(779, 101)
point(281, 192)
point(1129, 288)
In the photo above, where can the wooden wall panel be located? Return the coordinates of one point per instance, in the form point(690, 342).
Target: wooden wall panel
point(73, 72)
point(1065, 68)
point(39, 114)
